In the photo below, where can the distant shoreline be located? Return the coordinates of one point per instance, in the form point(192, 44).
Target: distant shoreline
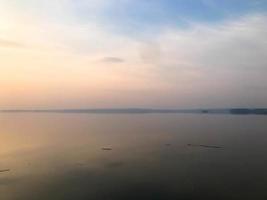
point(235, 111)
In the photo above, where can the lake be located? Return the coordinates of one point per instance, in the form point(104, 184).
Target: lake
point(59, 156)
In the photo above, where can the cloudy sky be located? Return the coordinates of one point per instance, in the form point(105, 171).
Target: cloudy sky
point(133, 53)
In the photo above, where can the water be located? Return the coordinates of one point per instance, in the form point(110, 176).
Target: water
point(145, 156)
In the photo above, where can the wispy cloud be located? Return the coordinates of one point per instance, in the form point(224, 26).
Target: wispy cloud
point(10, 44)
point(227, 57)
point(112, 60)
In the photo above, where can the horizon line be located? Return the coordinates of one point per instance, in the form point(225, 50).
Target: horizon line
point(234, 110)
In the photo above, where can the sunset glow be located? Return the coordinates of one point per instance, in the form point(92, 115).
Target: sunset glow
point(97, 54)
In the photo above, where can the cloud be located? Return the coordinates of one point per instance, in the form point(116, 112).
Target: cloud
point(112, 60)
point(229, 57)
point(238, 46)
point(10, 44)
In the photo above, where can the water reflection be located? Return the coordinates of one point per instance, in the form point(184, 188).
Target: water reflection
point(60, 156)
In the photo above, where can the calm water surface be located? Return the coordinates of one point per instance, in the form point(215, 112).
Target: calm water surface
point(60, 157)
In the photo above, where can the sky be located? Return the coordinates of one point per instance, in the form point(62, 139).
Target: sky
point(133, 53)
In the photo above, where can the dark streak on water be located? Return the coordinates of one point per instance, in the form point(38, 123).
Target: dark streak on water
point(107, 149)
point(206, 146)
point(4, 170)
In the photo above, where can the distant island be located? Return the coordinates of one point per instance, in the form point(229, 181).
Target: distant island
point(234, 111)
point(258, 111)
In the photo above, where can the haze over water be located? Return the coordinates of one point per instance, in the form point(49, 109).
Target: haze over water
point(60, 156)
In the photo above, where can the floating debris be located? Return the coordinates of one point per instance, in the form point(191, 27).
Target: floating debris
point(206, 146)
point(167, 145)
point(4, 170)
point(106, 149)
